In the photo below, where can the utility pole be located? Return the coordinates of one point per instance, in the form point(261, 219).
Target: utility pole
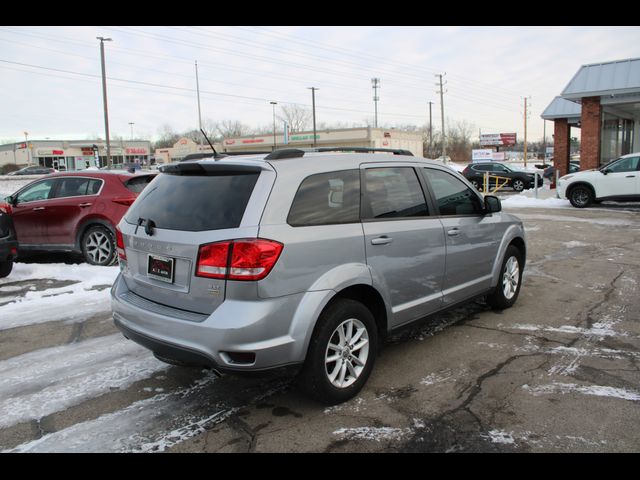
point(430, 125)
point(444, 138)
point(274, 123)
point(525, 131)
point(544, 142)
point(131, 124)
point(198, 91)
point(104, 98)
point(375, 83)
point(313, 106)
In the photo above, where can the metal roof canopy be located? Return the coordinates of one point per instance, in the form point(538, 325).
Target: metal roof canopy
point(620, 77)
point(561, 108)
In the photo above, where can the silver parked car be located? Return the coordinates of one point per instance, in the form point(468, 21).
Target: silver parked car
point(306, 257)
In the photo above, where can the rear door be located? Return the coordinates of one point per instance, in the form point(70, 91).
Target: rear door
point(404, 244)
point(72, 200)
point(471, 239)
point(176, 214)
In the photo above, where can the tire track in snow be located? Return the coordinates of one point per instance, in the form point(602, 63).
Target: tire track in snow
point(39, 383)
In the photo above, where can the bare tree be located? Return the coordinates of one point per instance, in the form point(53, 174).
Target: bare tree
point(233, 128)
point(167, 137)
point(296, 116)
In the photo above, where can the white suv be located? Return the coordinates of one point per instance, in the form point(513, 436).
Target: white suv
point(618, 180)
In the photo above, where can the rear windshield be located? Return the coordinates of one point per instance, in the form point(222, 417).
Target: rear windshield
point(195, 202)
point(138, 183)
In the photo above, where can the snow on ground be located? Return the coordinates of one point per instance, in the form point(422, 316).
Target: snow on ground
point(75, 302)
point(49, 380)
point(524, 201)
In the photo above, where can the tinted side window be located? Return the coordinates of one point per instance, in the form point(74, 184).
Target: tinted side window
point(393, 192)
point(482, 168)
point(37, 191)
point(629, 164)
point(452, 195)
point(327, 198)
point(74, 187)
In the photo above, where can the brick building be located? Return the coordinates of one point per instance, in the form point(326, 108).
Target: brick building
point(603, 100)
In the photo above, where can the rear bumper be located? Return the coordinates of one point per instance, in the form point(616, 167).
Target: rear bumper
point(259, 326)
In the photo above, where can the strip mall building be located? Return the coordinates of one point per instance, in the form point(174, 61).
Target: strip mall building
point(603, 100)
point(349, 137)
point(73, 154)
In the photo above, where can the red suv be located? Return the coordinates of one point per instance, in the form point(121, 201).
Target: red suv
point(75, 211)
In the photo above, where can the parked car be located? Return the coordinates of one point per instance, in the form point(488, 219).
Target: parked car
point(574, 166)
point(252, 263)
point(75, 211)
point(618, 180)
point(8, 242)
point(33, 170)
point(518, 179)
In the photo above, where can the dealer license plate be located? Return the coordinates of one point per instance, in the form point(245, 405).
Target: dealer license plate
point(160, 268)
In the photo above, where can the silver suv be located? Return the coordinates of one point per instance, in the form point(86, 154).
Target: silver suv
point(306, 257)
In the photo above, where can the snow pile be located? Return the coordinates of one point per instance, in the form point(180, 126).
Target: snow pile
point(524, 201)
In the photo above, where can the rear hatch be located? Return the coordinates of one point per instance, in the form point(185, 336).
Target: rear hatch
point(187, 206)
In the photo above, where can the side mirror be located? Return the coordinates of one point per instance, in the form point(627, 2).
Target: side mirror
point(605, 171)
point(11, 200)
point(492, 204)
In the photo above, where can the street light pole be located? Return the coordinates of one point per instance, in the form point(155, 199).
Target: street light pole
point(274, 123)
point(131, 124)
point(104, 98)
point(26, 141)
point(313, 106)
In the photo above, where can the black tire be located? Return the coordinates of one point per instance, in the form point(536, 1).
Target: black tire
point(503, 297)
point(314, 377)
point(99, 246)
point(518, 184)
point(581, 196)
point(5, 268)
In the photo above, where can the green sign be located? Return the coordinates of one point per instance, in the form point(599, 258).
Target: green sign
point(304, 137)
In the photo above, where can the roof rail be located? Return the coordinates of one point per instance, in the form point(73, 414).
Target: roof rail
point(295, 152)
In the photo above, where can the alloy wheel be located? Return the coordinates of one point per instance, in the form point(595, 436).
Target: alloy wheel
point(347, 353)
point(510, 278)
point(98, 247)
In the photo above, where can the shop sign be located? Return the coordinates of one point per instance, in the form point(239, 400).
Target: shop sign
point(47, 151)
point(229, 142)
point(481, 155)
point(254, 140)
point(136, 151)
point(21, 146)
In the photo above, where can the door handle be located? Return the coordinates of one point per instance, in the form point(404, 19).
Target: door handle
point(381, 240)
point(630, 176)
point(85, 204)
point(454, 232)
point(37, 208)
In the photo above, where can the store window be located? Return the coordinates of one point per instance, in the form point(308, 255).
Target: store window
point(617, 137)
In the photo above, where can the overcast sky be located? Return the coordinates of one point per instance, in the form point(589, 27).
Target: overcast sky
point(50, 76)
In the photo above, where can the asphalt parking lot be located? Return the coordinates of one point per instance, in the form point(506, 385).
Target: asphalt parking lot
point(558, 372)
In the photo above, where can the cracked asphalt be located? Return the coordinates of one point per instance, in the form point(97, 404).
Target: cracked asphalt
point(558, 372)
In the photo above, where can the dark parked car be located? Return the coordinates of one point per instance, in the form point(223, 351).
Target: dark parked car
point(574, 166)
point(518, 179)
point(75, 212)
point(8, 242)
point(33, 170)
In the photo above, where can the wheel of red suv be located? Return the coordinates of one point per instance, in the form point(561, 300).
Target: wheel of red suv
point(99, 246)
point(580, 196)
point(341, 353)
point(5, 268)
point(517, 184)
point(508, 288)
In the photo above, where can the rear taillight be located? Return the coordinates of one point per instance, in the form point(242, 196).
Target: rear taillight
point(120, 245)
point(124, 200)
point(245, 259)
point(212, 260)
